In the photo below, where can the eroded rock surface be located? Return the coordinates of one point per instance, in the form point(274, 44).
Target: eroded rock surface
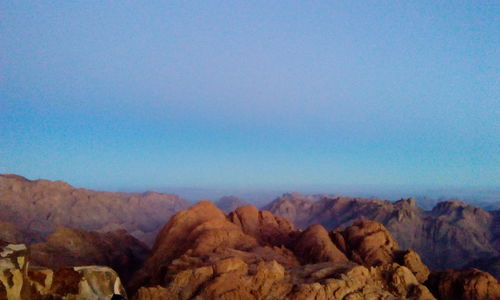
point(203, 254)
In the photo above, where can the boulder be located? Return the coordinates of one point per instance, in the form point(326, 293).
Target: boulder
point(369, 243)
point(470, 284)
point(314, 246)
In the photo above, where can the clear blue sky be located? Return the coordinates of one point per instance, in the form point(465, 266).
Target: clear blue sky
point(251, 94)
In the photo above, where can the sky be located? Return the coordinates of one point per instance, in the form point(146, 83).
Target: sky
point(275, 95)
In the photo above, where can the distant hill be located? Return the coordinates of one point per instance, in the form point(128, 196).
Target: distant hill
point(38, 206)
point(230, 203)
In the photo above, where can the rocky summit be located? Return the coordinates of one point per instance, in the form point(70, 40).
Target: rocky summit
point(201, 253)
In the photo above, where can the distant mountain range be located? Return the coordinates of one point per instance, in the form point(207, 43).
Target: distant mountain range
point(38, 206)
point(297, 247)
point(452, 234)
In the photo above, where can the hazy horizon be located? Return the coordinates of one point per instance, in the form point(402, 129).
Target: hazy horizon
point(426, 197)
point(252, 96)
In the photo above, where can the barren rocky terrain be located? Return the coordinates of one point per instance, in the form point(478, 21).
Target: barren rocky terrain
point(300, 247)
point(452, 234)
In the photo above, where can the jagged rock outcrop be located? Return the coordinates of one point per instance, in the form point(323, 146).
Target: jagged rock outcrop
point(42, 205)
point(230, 203)
point(203, 254)
point(469, 284)
point(451, 235)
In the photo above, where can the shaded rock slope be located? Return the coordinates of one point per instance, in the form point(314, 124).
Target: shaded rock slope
point(39, 206)
point(67, 247)
point(452, 234)
point(201, 253)
point(75, 247)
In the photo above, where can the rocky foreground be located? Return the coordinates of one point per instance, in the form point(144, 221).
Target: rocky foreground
point(202, 253)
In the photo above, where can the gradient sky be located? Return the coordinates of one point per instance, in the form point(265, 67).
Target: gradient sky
point(251, 94)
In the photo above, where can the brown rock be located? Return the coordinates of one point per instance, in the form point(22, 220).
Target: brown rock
point(66, 281)
point(226, 286)
point(268, 281)
point(19, 283)
point(412, 261)
point(178, 236)
point(232, 264)
point(314, 245)
point(220, 233)
point(186, 283)
point(201, 257)
point(471, 284)
point(41, 280)
point(154, 293)
point(369, 243)
point(75, 247)
point(383, 282)
point(84, 282)
point(262, 225)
